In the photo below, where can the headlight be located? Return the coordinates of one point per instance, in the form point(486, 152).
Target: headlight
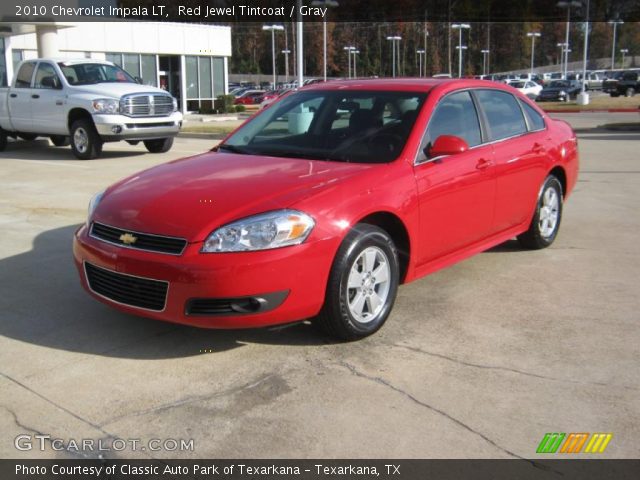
point(261, 232)
point(93, 203)
point(562, 93)
point(175, 104)
point(106, 105)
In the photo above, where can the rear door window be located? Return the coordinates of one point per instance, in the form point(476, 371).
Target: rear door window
point(23, 79)
point(504, 116)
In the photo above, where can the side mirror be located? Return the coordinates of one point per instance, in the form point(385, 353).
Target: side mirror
point(447, 145)
point(138, 80)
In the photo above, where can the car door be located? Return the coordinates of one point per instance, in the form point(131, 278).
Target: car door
point(457, 192)
point(47, 101)
point(20, 98)
point(520, 152)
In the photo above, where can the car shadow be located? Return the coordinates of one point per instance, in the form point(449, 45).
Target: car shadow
point(41, 149)
point(508, 246)
point(43, 304)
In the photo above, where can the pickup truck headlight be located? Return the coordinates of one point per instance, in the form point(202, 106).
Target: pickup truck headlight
point(106, 105)
point(175, 104)
point(260, 232)
point(93, 203)
point(562, 93)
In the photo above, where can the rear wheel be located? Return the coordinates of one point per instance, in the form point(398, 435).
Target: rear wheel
point(362, 286)
point(630, 92)
point(546, 220)
point(85, 141)
point(160, 145)
point(60, 140)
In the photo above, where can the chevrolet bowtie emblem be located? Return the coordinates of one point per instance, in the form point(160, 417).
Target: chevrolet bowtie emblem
point(128, 239)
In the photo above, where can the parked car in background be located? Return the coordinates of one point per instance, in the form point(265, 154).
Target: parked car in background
point(86, 103)
point(249, 97)
point(610, 84)
point(270, 97)
point(560, 90)
point(311, 218)
point(593, 80)
point(628, 83)
point(527, 87)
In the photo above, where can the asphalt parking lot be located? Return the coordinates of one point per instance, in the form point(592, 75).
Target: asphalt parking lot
point(477, 361)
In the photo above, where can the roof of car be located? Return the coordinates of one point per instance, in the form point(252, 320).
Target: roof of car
point(402, 84)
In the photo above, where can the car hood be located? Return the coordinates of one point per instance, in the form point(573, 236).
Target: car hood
point(189, 198)
point(116, 90)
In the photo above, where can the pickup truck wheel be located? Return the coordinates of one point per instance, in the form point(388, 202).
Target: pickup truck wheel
point(60, 140)
point(27, 136)
point(362, 286)
point(630, 92)
point(160, 145)
point(546, 220)
point(3, 140)
point(85, 141)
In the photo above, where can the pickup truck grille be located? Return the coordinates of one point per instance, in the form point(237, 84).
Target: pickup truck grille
point(146, 105)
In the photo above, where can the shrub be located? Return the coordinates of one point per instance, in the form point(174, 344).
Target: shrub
point(240, 108)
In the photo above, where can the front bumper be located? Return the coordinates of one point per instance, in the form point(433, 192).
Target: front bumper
point(112, 128)
point(301, 271)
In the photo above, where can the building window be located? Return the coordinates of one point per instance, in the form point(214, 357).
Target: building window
point(114, 58)
point(143, 66)
point(191, 67)
point(148, 70)
point(218, 75)
point(204, 67)
point(131, 63)
point(16, 56)
point(205, 80)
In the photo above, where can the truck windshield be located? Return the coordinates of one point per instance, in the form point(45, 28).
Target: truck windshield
point(91, 73)
point(348, 126)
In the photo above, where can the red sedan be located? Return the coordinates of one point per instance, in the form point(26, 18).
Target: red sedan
point(321, 205)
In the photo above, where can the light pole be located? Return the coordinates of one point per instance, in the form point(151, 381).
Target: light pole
point(394, 39)
point(326, 4)
point(286, 64)
point(485, 54)
point(354, 52)
point(420, 53)
point(533, 36)
point(615, 24)
point(561, 46)
point(460, 47)
point(585, 98)
point(623, 51)
point(348, 49)
point(273, 29)
point(568, 4)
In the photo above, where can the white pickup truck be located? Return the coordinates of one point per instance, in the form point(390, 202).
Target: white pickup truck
point(86, 102)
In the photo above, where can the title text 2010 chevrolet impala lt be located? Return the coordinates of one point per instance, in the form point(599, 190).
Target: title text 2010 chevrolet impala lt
point(322, 204)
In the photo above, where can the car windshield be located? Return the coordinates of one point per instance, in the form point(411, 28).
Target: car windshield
point(90, 73)
point(559, 83)
point(350, 126)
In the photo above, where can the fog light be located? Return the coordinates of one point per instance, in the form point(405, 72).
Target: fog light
point(116, 129)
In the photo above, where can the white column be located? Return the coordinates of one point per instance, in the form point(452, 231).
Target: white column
point(183, 85)
point(47, 39)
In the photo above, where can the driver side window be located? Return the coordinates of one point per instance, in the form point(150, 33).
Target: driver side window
point(454, 115)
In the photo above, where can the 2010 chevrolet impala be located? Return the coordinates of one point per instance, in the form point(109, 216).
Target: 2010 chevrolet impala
point(322, 204)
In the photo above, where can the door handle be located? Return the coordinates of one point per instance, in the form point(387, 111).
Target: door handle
point(13, 95)
point(59, 102)
point(538, 148)
point(35, 95)
point(483, 163)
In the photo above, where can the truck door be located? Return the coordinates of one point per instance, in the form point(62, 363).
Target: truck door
point(20, 99)
point(47, 101)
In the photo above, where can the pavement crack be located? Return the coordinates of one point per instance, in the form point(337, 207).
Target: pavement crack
point(19, 423)
point(460, 423)
point(505, 369)
point(192, 398)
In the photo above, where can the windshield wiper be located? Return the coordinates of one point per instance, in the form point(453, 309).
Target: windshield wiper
point(234, 149)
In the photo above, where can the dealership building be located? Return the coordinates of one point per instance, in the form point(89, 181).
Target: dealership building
point(189, 60)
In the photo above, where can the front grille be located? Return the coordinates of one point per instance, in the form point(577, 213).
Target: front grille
point(143, 241)
point(146, 105)
point(126, 289)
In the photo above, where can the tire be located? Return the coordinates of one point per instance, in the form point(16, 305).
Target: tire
point(29, 137)
point(629, 92)
point(351, 310)
point(85, 141)
point(3, 140)
point(160, 145)
point(60, 140)
point(546, 220)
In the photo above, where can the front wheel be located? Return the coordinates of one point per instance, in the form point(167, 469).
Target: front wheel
point(546, 220)
point(362, 286)
point(159, 145)
point(85, 141)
